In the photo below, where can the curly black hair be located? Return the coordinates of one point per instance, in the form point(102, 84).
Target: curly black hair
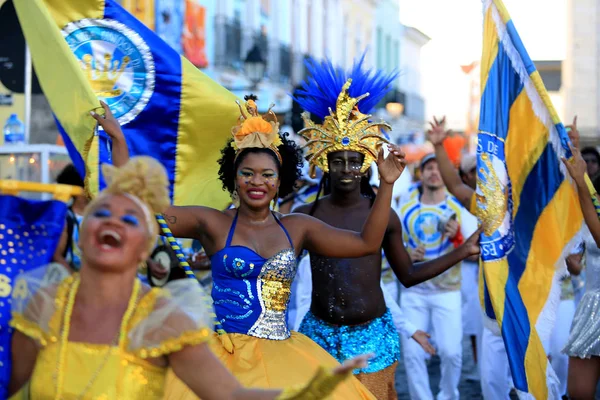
point(289, 172)
point(70, 176)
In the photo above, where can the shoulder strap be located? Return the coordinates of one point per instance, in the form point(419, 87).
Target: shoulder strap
point(231, 231)
point(284, 230)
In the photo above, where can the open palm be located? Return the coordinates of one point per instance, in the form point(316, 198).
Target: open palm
point(390, 168)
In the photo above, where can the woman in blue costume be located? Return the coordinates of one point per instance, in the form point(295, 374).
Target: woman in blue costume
point(253, 252)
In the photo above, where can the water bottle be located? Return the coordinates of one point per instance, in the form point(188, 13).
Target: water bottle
point(14, 131)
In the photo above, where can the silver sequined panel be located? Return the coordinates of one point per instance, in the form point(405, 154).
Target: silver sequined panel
point(584, 340)
point(274, 288)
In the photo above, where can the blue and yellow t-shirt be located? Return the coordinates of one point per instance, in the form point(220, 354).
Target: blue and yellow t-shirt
point(423, 225)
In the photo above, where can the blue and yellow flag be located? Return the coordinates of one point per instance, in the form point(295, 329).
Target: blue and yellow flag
point(85, 50)
point(29, 233)
point(526, 202)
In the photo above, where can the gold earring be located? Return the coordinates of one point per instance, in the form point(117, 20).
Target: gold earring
point(235, 199)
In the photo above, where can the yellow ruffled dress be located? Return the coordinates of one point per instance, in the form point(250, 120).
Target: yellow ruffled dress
point(157, 322)
point(251, 295)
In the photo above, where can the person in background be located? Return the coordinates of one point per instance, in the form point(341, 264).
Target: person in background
point(431, 224)
point(592, 160)
point(471, 307)
point(494, 370)
point(583, 346)
point(67, 252)
point(348, 312)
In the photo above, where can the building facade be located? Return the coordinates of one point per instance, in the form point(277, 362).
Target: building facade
point(581, 69)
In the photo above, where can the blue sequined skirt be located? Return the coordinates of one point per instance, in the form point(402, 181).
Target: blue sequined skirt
point(378, 336)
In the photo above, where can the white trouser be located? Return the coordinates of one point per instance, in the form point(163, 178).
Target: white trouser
point(558, 340)
point(471, 306)
point(496, 379)
point(443, 311)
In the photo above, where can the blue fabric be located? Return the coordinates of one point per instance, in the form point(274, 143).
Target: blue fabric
point(153, 131)
point(29, 233)
point(343, 342)
point(320, 91)
point(235, 271)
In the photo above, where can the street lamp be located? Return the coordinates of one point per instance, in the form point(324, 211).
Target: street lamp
point(394, 109)
point(254, 66)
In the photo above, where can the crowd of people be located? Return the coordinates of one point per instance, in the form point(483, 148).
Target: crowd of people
point(313, 278)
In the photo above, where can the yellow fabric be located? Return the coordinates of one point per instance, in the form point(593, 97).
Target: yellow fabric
point(322, 385)
point(164, 321)
point(124, 376)
point(62, 80)
point(273, 364)
point(208, 111)
point(590, 185)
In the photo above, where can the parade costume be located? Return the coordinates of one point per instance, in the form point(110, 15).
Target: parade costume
point(343, 100)
point(156, 323)
point(251, 296)
point(584, 339)
point(436, 303)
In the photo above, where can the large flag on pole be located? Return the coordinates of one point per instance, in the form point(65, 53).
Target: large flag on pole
point(525, 200)
point(85, 50)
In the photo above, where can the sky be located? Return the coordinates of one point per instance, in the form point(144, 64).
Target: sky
point(455, 29)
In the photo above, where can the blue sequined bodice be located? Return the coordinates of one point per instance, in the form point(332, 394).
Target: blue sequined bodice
point(250, 293)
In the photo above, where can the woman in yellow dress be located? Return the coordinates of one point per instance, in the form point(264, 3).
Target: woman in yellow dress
point(253, 250)
point(101, 334)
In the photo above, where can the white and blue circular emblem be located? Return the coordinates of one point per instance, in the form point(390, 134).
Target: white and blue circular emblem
point(117, 63)
point(494, 199)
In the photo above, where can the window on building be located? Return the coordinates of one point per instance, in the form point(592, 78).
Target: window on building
point(379, 48)
point(396, 55)
point(388, 53)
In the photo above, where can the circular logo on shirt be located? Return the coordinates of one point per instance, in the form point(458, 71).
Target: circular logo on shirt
point(426, 228)
point(116, 62)
point(494, 199)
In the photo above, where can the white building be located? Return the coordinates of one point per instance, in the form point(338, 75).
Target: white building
point(581, 68)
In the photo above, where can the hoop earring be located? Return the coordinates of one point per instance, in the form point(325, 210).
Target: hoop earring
point(235, 199)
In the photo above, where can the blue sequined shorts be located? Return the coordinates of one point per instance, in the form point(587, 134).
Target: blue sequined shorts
point(378, 336)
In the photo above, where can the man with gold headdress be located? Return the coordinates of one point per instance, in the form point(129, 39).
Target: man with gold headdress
point(348, 314)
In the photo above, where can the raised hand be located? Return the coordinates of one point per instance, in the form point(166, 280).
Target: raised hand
point(423, 339)
point(108, 122)
point(354, 363)
point(576, 165)
point(390, 168)
point(573, 133)
point(438, 133)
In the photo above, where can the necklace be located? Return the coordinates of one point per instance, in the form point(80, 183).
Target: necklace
point(64, 337)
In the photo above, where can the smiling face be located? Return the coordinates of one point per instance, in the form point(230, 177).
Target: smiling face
point(114, 234)
point(344, 170)
point(430, 174)
point(257, 179)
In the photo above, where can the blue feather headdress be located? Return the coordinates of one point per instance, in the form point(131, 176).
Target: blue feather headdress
point(319, 92)
point(343, 100)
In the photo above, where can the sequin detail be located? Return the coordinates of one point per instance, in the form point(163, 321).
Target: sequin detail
point(343, 342)
point(584, 339)
point(274, 289)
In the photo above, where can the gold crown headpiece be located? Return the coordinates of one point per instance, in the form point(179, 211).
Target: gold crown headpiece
point(345, 130)
point(256, 131)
